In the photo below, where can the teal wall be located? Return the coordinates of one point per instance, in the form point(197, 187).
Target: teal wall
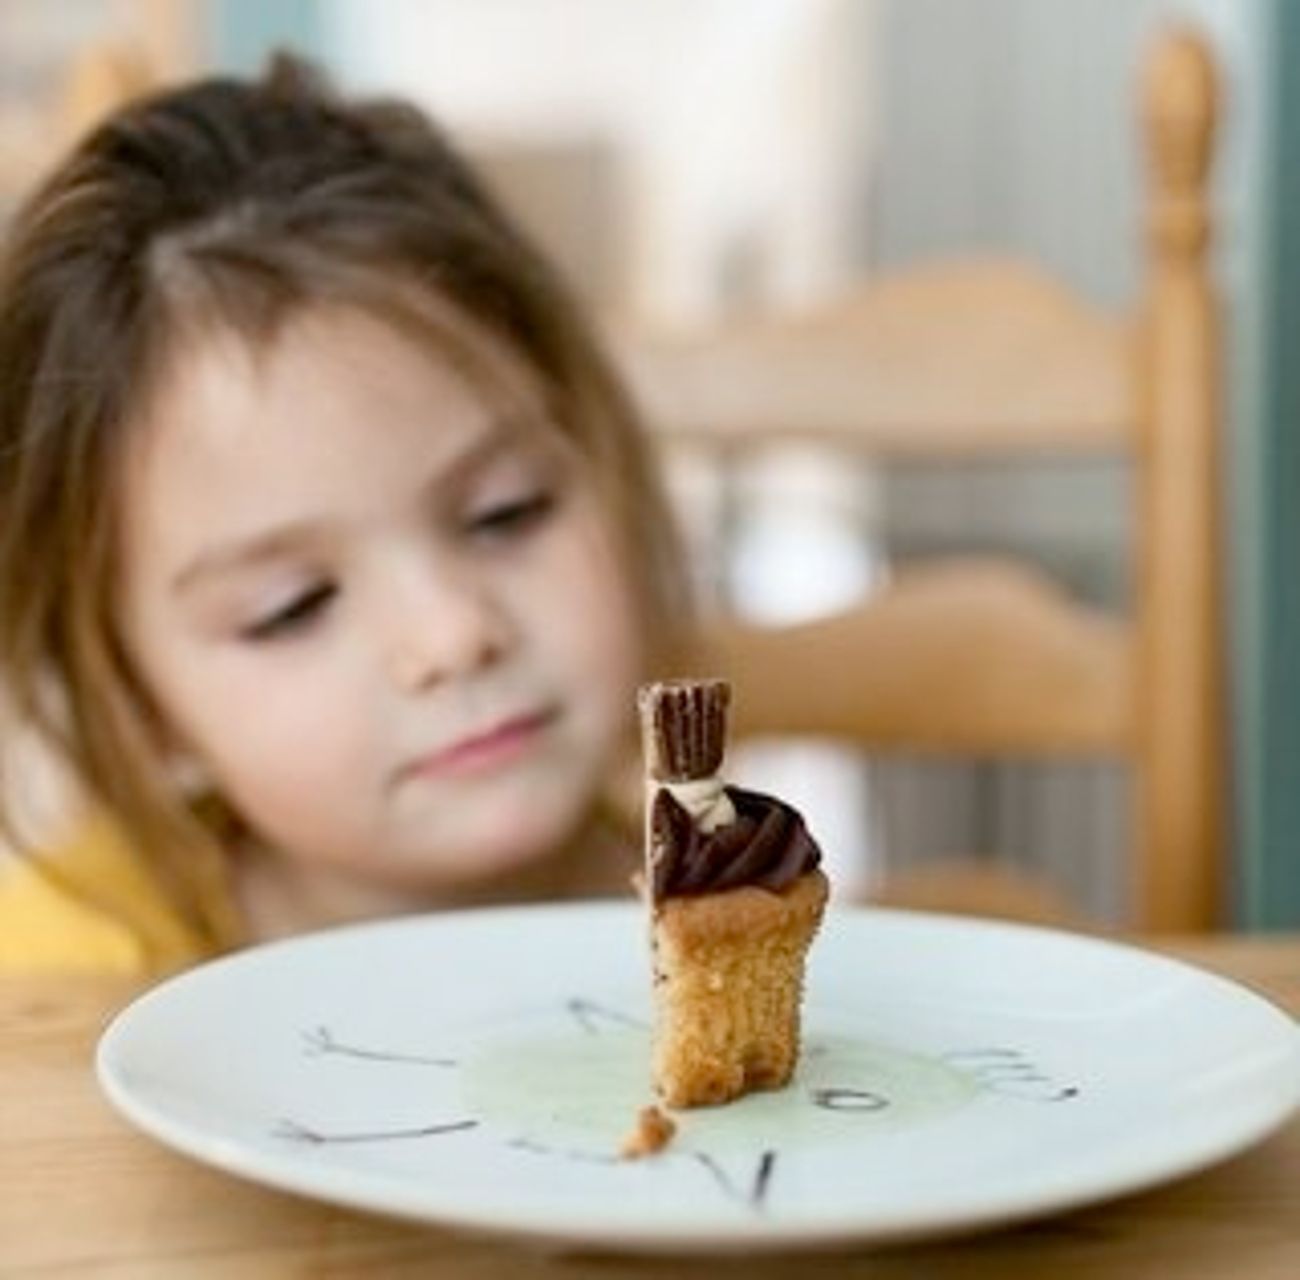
point(242, 32)
point(1267, 516)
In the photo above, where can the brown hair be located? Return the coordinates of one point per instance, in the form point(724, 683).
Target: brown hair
point(237, 203)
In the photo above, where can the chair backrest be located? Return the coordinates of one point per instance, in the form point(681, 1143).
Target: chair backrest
point(983, 657)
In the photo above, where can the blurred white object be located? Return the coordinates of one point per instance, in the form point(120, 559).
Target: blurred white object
point(802, 546)
point(801, 543)
point(42, 801)
point(739, 125)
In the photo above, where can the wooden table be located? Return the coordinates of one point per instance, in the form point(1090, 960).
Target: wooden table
point(80, 1192)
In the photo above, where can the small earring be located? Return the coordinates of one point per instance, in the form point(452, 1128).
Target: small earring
point(190, 776)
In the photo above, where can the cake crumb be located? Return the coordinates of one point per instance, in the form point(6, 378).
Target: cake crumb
point(653, 1132)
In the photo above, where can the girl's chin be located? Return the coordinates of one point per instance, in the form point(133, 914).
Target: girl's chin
point(500, 852)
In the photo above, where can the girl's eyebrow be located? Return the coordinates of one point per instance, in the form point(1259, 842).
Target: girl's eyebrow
point(500, 435)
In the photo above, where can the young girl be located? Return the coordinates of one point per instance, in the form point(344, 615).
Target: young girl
point(330, 552)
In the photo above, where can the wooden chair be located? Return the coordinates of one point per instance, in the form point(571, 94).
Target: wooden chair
point(99, 78)
point(982, 657)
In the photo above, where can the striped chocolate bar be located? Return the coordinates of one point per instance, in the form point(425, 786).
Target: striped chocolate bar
point(683, 728)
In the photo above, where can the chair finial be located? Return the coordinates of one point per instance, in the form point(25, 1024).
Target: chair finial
point(1181, 94)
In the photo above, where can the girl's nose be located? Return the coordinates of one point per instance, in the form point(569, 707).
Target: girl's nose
point(442, 627)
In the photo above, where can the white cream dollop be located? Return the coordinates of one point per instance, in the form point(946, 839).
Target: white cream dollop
point(704, 799)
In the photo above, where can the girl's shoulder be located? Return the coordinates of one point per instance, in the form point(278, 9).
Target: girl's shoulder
point(89, 905)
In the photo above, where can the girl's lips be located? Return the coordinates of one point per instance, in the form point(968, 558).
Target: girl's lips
point(482, 753)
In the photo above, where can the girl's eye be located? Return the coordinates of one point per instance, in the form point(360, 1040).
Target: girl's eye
point(513, 517)
point(293, 617)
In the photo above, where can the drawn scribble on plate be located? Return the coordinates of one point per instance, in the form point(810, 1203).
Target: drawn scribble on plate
point(565, 1083)
point(1011, 1073)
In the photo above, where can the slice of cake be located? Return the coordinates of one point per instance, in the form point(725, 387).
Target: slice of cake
point(735, 893)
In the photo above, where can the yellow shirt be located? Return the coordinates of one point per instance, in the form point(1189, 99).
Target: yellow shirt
point(129, 928)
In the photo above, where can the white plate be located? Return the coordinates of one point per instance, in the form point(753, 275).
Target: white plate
point(480, 1069)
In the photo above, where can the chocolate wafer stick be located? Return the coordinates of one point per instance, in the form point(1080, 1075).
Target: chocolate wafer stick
point(683, 728)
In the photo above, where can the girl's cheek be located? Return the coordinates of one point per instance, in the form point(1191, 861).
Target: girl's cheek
point(602, 617)
point(266, 710)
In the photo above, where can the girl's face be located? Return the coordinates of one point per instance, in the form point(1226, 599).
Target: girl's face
point(388, 617)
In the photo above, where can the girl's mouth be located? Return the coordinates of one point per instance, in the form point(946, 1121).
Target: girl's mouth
point(495, 748)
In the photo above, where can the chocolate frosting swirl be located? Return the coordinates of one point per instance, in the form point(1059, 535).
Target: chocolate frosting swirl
point(768, 845)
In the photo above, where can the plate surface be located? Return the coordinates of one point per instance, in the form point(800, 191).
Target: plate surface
point(480, 1069)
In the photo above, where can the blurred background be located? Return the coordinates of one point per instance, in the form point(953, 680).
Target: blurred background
point(694, 164)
